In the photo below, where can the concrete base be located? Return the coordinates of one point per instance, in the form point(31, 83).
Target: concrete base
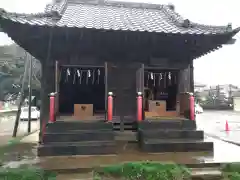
point(78, 138)
point(177, 124)
point(83, 148)
point(67, 126)
point(155, 146)
point(171, 136)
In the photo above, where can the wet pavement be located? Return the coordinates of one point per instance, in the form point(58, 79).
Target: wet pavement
point(213, 123)
point(224, 152)
point(23, 153)
point(7, 124)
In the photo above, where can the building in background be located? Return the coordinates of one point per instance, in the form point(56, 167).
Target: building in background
point(199, 87)
point(216, 97)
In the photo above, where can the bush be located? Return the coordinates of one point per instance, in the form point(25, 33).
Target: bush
point(26, 173)
point(145, 171)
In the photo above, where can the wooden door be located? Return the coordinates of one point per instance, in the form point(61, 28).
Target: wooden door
point(122, 82)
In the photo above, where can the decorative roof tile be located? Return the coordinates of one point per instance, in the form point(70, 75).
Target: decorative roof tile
point(40, 19)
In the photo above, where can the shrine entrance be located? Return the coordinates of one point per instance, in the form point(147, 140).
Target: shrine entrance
point(88, 86)
point(82, 92)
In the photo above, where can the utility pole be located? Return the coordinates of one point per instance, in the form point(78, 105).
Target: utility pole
point(21, 99)
point(29, 94)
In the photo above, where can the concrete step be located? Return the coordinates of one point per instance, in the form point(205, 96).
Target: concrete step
point(171, 134)
point(167, 124)
point(206, 174)
point(66, 126)
point(78, 136)
point(77, 148)
point(128, 136)
point(156, 145)
point(119, 127)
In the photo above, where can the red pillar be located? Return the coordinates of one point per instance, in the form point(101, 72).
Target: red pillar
point(192, 106)
point(139, 106)
point(110, 107)
point(52, 117)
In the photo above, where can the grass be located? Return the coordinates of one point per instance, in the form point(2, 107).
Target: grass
point(143, 170)
point(231, 171)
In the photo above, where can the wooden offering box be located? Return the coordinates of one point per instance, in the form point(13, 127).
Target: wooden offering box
point(158, 108)
point(82, 111)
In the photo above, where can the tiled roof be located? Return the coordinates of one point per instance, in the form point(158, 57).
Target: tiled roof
point(115, 16)
point(162, 19)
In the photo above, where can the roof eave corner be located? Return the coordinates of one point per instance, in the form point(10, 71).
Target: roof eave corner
point(236, 30)
point(232, 33)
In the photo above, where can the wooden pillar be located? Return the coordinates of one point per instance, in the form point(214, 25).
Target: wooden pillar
point(47, 86)
point(140, 78)
point(184, 87)
point(185, 80)
point(106, 87)
point(191, 77)
point(56, 87)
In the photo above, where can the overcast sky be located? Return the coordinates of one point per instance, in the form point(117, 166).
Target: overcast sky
point(216, 68)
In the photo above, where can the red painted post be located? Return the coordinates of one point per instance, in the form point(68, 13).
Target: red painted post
point(110, 107)
point(52, 117)
point(192, 106)
point(139, 106)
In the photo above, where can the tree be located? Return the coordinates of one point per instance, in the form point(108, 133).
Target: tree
point(12, 62)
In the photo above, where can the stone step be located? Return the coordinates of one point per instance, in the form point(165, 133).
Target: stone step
point(80, 148)
point(171, 134)
point(65, 126)
point(206, 173)
point(128, 136)
point(118, 126)
point(155, 146)
point(167, 124)
point(76, 136)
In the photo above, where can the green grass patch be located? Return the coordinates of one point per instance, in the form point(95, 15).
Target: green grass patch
point(231, 171)
point(26, 173)
point(144, 170)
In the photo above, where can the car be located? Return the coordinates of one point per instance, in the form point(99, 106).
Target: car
point(198, 109)
point(35, 113)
